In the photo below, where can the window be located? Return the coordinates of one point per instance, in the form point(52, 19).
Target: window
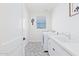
point(41, 22)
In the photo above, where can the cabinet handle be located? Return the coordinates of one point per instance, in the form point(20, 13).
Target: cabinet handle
point(53, 49)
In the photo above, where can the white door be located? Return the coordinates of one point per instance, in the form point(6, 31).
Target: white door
point(11, 42)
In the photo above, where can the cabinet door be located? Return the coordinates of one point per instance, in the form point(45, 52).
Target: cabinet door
point(50, 46)
point(45, 43)
point(58, 50)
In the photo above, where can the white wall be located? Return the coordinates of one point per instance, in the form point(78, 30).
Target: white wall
point(36, 34)
point(61, 21)
point(11, 29)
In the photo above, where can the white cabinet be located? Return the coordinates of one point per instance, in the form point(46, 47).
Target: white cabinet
point(45, 41)
point(56, 50)
point(50, 51)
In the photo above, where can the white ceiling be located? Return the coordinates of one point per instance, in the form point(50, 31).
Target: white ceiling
point(41, 7)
